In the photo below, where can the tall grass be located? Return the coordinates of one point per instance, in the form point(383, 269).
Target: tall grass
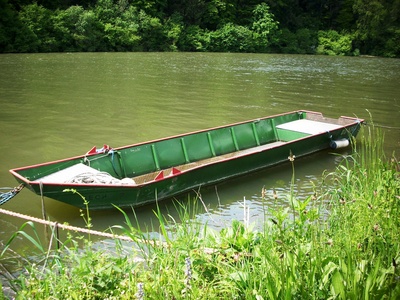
point(342, 243)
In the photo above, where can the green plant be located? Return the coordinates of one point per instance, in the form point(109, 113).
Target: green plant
point(35, 240)
point(333, 43)
point(231, 38)
point(264, 27)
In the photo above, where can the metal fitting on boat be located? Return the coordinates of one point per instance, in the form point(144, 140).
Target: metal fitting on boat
point(342, 143)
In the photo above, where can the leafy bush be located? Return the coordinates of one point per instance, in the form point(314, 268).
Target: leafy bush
point(193, 38)
point(231, 38)
point(332, 43)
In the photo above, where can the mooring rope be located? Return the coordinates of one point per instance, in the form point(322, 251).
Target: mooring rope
point(7, 196)
point(381, 126)
point(64, 226)
point(57, 225)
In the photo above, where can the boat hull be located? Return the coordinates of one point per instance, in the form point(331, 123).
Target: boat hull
point(211, 171)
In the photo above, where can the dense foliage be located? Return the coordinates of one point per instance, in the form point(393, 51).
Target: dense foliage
point(343, 27)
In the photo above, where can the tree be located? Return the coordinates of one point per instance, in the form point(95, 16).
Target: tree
point(151, 32)
point(37, 20)
point(288, 13)
point(192, 11)
point(264, 27)
point(121, 33)
point(217, 13)
point(9, 26)
point(345, 19)
point(119, 25)
point(289, 26)
point(77, 29)
point(154, 8)
point(378, 25)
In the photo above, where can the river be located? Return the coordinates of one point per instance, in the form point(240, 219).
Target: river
point(60, 105)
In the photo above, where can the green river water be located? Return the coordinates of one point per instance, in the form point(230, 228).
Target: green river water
point(55, 106)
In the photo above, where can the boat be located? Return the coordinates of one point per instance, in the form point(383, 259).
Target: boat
point(146, 172)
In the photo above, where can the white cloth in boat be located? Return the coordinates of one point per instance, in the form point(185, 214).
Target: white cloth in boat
point(81, 173)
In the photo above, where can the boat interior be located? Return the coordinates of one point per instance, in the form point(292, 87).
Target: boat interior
point(159, 159)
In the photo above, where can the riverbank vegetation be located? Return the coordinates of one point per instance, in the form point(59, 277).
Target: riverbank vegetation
point(345, 27)
point(343, 242)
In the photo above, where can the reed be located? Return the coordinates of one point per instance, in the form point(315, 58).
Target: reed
point(343, 242)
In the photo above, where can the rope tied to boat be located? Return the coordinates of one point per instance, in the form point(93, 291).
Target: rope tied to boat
point(7, 196)
point(358, 126)
point(108, 151)
point(111, 152)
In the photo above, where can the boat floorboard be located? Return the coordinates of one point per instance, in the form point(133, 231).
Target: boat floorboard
point(141, 179)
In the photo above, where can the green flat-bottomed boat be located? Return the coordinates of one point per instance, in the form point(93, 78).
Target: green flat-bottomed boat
point(142, 173)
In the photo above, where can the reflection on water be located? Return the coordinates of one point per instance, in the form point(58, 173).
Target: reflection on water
point(60, 105)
